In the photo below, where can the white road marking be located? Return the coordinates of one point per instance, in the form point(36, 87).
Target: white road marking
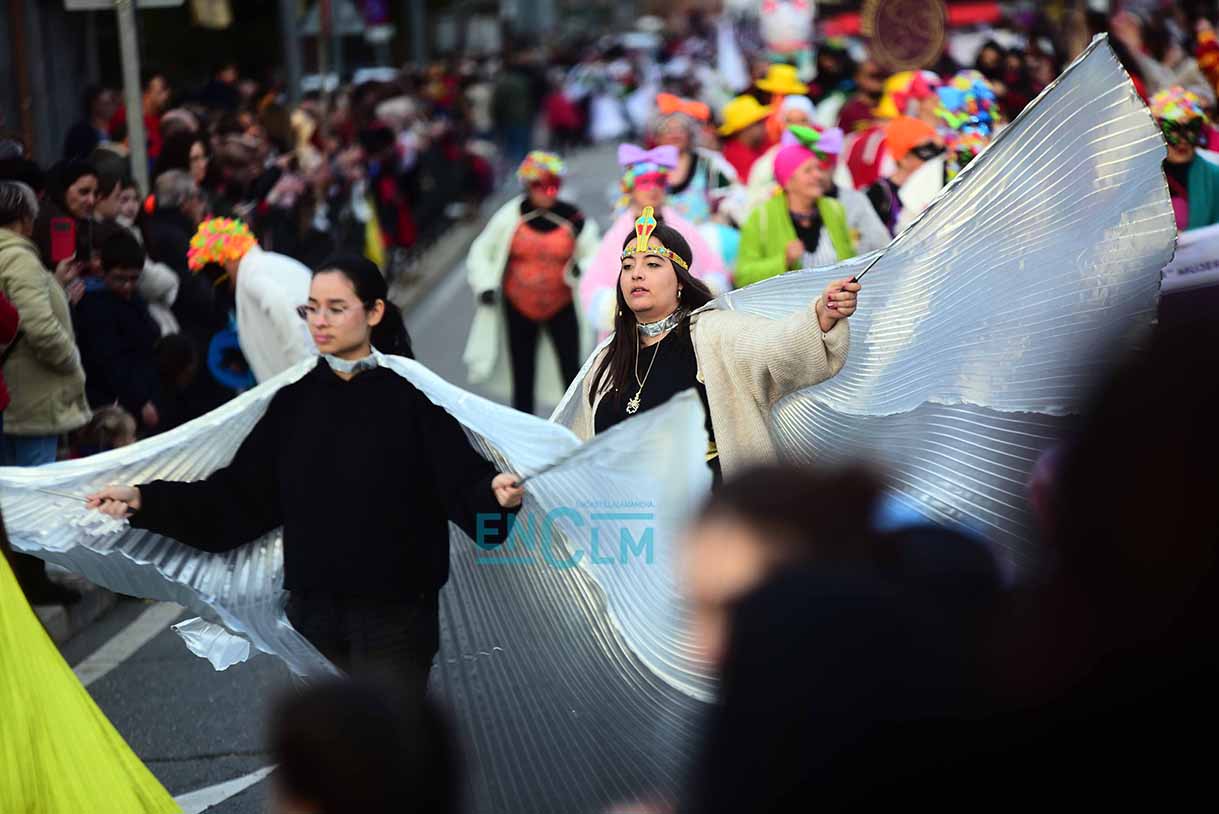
point(120, 648)
point(199, 801)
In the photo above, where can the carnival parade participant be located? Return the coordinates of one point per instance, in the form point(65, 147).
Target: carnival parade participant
point(802, 226)
point(744, 133)
point(269, 290)
point(782, 82)
point(702, 177)
point(357, 421)
point(917, 152)
point(740, 365)
point(530, 255)
point(1192, 180)
point(794, 110)
point(968, 116)
point(644, 184)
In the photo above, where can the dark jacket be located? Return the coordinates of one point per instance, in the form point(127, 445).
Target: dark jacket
point(363, 475)
point(199, 311)
point(116, 338)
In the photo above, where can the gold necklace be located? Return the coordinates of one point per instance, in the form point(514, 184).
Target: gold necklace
point(632, 404)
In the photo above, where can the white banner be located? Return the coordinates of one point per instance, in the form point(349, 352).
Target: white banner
point(1196, 262)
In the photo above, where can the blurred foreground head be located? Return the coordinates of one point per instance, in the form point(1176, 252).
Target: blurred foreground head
point(344, 746)
point(1136, 526)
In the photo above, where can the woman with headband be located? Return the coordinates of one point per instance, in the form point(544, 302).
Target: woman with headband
point(644, 184)
point(739, 364)
point(530, 256)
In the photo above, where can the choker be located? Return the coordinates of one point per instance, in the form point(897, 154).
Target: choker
point(657, 328)
point(351, 365)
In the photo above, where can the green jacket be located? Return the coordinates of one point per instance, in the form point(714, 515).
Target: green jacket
point(768, 230)
point(44, 374)
point(1203, 193)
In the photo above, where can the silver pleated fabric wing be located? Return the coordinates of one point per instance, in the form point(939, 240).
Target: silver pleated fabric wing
point(982, 326)
point(566, 661)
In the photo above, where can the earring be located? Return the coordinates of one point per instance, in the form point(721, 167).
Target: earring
point(619, 312)
point(679, 295)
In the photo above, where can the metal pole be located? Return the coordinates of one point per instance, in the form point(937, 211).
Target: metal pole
point(132, 91)
point(416, 12)
point(93, 63)
point(292, 48)
point(25, 99)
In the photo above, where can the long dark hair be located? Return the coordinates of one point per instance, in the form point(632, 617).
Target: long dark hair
point(389, 336)
point(618, 364)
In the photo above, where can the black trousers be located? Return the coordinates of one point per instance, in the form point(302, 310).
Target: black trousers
point(523, 346)
point(392, 640)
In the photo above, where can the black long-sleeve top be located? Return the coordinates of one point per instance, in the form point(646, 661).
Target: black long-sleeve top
point(363, 475)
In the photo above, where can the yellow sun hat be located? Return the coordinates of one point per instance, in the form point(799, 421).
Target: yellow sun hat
point(742, 112)
point(782, 79)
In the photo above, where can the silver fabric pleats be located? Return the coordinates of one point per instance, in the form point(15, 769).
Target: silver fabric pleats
point(575, 683)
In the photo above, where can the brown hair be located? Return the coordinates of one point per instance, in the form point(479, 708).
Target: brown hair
point(616, 366)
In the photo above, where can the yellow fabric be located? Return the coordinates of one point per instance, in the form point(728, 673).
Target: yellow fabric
point(783, 80)
point(374, 242)
point(58, 753)
point(742, 112)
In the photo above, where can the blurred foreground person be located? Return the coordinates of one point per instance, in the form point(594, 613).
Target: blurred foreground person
point(830, 634)
point(344, 747)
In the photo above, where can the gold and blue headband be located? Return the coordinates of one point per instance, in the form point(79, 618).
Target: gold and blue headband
point(645, 225)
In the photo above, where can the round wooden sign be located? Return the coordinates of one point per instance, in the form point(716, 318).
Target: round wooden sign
point(905, 35)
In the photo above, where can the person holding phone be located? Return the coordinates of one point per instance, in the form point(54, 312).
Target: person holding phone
point(65, 221)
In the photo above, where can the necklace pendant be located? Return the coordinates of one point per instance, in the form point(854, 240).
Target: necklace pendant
point(632, 404)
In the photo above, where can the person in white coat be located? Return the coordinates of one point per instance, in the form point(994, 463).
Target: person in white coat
point(269, 289)
point(522, 270)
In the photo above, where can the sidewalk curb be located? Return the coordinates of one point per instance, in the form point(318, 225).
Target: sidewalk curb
point(62, 622)
point(446, 254)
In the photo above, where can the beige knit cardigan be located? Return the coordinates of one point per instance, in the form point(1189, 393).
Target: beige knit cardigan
point(747, 363)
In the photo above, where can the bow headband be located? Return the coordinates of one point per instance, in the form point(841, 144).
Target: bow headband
point(665, 156)
point(645, 225)
point(667, 104)
point(822, 143)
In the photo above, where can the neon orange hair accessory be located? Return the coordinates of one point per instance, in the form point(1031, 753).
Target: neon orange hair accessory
point(219, 240)
point(667, 104)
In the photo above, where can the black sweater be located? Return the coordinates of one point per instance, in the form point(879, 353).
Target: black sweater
point(363, 475)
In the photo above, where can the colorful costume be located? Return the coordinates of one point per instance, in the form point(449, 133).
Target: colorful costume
point(270, 288)
point(530, 258)
point(1194, 186)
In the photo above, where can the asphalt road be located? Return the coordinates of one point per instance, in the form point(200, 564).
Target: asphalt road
point(197, 728)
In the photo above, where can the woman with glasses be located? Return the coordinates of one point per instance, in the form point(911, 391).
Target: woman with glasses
point(363, 473)
point(522, 269)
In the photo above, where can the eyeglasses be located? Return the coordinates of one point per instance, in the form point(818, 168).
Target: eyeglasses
point(336, 313)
